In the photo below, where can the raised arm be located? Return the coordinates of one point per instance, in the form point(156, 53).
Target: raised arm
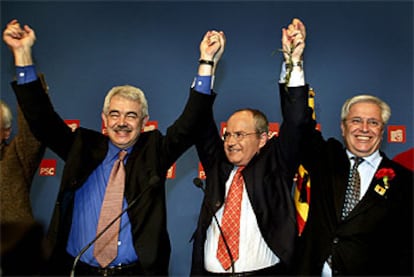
point(211, 49)
point(44, 122)
point(293, 46)
point(20, 41)
point(294, 95)
point(293, 41)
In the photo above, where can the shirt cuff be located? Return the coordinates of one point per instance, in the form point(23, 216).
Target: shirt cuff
point(26, 74)
point(297, 77)
point(203, 84)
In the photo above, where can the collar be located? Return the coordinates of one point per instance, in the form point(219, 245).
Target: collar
point(372, 160)
point(114, 150)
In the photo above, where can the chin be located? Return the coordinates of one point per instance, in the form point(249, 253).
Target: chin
point(122, 144)
point(233, 161)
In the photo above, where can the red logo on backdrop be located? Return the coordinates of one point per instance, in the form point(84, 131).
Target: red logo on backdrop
point(396, 133)
point(201, 172)
point(171, 172)
point(223, 126)
point(47, 167)
point(72, 123)
point(151, 125)
point(273, 129)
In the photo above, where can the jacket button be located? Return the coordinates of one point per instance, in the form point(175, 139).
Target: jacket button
point(335, 240)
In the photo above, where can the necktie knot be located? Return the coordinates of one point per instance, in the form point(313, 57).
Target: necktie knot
point(122, 154)
point(358, 161)
point(238, 172)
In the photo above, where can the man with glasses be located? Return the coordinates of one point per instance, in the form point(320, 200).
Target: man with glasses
point(375, 237)
point(257, 235)
point(360, 220)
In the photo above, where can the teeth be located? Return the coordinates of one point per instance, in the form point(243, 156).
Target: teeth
point(363, 138)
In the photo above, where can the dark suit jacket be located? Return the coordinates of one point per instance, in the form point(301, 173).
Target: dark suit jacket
point(377, 236)
point(147, 165)
point(268, 178)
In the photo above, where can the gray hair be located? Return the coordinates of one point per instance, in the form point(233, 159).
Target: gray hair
point(6, 114)
point(128, 92)
point(384, 107)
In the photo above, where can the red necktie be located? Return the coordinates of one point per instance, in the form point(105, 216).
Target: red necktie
point(230, 222)
point(106, 247)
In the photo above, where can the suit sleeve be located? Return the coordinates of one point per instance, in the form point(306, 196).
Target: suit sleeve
point(296, 122)
point(44, 122)
point(28, 149)
point(209, 144)
point(182, 134)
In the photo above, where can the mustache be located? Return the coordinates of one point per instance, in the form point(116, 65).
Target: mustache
point(123, 128)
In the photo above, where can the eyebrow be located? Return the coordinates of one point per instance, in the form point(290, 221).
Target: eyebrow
point(127, 113)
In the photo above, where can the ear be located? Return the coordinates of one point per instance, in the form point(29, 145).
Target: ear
point(104, 119)
point(343, 128)
point(382, 132)
point(263, 139)
point(144, 122)
point(6, 133)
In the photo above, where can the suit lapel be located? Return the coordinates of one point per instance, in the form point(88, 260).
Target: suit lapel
point(340, 183)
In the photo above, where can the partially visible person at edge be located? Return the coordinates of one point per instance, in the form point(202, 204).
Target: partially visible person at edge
point(21, 235)
point(376, 237)
point(19, 160)
point(144, 245)
point(267, 230)
point(406, 158)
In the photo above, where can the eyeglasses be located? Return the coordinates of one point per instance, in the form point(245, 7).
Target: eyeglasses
point(372, 123)
point(238, 136)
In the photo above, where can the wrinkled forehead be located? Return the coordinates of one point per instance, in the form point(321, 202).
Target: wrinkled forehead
point(122, 103)
point(365, 110)
point(241, 121)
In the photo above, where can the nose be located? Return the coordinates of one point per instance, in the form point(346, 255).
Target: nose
point(122, 120)
point(364, 125)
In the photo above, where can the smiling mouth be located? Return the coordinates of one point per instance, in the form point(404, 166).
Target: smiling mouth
point(123, 131)
point(363, 138)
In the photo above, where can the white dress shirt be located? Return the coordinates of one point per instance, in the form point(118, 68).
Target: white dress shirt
point(254, 253)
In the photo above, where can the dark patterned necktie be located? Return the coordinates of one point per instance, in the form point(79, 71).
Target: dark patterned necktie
point(352, 193)
point(106, 247)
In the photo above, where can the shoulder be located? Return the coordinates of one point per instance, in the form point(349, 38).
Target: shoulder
point(399, 170)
